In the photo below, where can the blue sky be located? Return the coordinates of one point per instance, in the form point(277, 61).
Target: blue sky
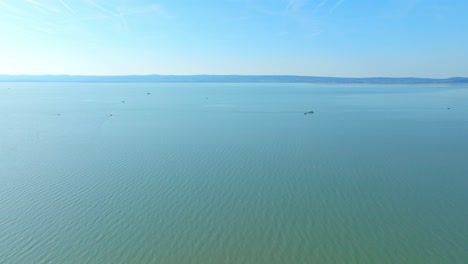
point(352, 38)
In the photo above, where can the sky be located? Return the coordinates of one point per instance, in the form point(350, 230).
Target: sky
point(347, 38)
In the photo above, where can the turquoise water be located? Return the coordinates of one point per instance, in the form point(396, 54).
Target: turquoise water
point(233, 173)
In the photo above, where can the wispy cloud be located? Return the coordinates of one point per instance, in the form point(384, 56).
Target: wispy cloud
point(119, 14)
point(45, 7)
point(38, 7)
point(260, 8)
point(123, 19)
point(309, 17)
point(319, 6)
point(66, 6)
point(295, 5)
point(338, 4)
point(29, 16)
point(100, 9)
point(10, 8)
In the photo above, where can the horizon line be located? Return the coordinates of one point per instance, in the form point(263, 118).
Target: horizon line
point(227, 75)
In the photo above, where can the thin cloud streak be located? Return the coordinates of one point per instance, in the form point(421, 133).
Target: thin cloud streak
point(66, 6)
point(320, 5)
point(119, 15)
point(38, 6)
point(123, 20)
point(336, 6)
point(34, 17)
point(295, 5)
point(103, 11)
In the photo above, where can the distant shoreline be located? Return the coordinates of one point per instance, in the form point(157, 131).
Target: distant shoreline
point(227, 79)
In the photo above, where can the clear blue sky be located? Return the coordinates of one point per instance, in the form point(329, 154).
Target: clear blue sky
point(355, 38)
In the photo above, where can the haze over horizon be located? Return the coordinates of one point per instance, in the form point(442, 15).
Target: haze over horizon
point(337, 38)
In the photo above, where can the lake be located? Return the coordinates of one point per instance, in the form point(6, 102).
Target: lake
point(233, 173)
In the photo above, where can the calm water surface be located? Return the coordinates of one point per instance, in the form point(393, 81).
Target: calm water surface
point(233, 173)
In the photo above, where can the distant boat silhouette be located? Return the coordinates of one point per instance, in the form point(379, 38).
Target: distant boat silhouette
point(308, 112)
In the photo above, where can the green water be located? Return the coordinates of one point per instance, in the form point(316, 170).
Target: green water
point(233, 173)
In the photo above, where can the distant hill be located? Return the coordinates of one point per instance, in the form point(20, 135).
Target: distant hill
point(227, 79)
